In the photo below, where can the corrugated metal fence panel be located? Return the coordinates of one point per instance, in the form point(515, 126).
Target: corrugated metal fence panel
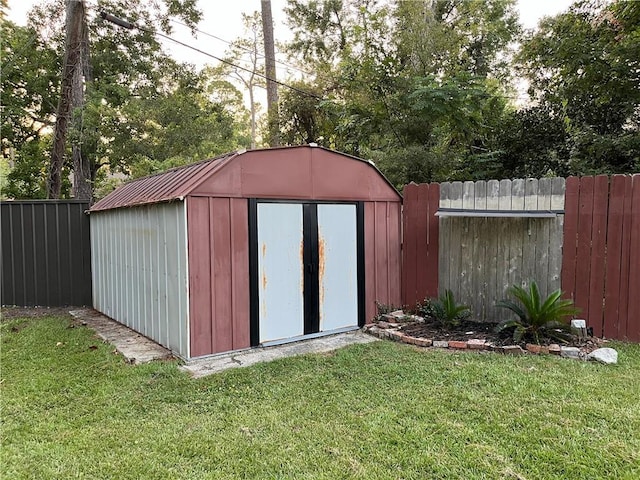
point(601, 261)
point(139, 262)
point(45, 253)
point(481, 257)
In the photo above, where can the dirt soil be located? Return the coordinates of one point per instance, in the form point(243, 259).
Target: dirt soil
point(469, 329)
point(9, 313)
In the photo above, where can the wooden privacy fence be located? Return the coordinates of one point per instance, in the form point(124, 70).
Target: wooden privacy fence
point(45, 253)
point(420, 242)
point(479, 238)
point(601, 253)
point(497, 234)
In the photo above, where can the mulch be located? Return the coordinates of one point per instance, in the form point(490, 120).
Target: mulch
point(472, 329)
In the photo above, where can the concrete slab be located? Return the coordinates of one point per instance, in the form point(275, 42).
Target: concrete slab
point(218, 363)
point(135, 348)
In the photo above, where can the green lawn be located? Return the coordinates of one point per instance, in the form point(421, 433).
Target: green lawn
point(381, 410)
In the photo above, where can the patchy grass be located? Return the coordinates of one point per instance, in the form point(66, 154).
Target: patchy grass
point(74, 410)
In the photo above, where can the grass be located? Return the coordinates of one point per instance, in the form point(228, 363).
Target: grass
point(75, 410)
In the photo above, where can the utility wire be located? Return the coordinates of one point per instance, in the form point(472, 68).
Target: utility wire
point(130, 26)
point(239, 46)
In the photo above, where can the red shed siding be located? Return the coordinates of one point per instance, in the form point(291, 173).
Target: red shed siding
point(382, 255)
point(218, 274)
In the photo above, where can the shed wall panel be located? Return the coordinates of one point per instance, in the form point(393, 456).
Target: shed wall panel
point(140, 271)
point(218, 235)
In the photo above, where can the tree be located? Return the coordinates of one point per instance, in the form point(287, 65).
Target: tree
point(584, 68)
point(70, 91)
point(28, 87)
point(419, 87)
point(446, 37)
point(247, 72)
point(270, 73)
point(144, 111)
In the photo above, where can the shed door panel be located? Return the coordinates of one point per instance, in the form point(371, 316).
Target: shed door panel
point(338, 266)
point(280, 271)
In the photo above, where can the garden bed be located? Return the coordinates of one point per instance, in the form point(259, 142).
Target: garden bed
point(472, 335)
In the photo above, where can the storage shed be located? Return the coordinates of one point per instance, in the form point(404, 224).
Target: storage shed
point(247, 249)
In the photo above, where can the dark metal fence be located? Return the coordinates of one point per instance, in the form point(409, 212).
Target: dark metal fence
point(46, 257)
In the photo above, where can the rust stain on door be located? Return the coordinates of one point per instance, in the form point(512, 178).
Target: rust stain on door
point(321, 267)
point(302, 265)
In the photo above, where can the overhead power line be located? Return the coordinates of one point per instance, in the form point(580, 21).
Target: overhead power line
point(130, 26)
point(279, 62)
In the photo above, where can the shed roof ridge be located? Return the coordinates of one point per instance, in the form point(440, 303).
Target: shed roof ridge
point(180, 167)
point(222, 161)
point(177, 183)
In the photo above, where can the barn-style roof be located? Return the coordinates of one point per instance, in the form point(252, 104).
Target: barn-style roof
point(304, 172)
point(169, 185)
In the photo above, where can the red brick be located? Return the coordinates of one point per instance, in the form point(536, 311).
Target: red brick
point(554, 349)
point(423, 342)
point(533, 348)
point(457, 344)
point(408, 339)
point(477, 344)
point(512, 350)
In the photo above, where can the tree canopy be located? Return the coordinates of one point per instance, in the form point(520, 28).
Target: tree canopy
point(143, 111)
point(428, 89)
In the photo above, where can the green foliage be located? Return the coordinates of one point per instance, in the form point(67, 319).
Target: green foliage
point(143, 111)
point(384, 308)
point(537, 318)
point(428, 95)
point(445, 310)
point(583, 66)
point(420, 95)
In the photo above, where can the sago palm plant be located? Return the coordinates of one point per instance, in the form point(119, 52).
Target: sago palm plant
point(445, 310)
point(537, 318)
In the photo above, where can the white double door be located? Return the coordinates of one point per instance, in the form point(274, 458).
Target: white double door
point(307, 269)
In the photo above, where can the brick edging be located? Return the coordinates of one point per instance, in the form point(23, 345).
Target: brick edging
point(475, 344)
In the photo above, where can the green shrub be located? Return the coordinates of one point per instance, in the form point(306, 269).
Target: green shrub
point(444, 310)
point(383, 309)
point(537, 319)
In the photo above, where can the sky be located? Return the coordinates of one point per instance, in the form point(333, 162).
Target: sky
point(224, 20)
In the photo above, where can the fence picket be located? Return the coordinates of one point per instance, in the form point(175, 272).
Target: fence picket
point(583, 266)
point(633, 316)
point(611, 326)
point(592, 251)
point(597, 257)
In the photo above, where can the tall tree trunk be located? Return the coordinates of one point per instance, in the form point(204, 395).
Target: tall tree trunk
point(253, 117)
point(83, 167)
point(270, 72)
point(72, 55)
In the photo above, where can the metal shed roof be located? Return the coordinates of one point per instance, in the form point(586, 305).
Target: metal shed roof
point(180, 182)
point(161, 187)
